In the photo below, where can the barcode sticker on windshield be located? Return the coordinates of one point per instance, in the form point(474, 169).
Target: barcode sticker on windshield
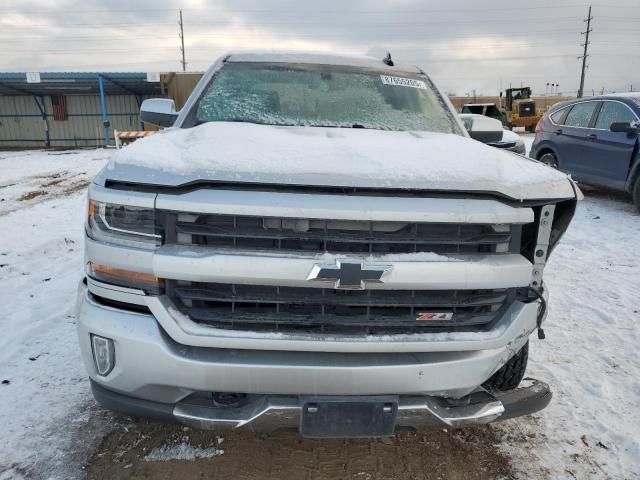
point(403, 82)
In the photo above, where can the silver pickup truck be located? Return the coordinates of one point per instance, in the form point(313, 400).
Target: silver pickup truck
point(317, 244)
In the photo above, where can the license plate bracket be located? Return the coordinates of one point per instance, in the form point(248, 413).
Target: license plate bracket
point(348, 417)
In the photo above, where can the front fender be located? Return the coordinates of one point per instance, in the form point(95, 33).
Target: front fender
point(544, 145)
point(634, 171)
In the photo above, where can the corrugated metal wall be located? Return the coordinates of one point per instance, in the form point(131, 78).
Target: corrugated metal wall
point(22, 126)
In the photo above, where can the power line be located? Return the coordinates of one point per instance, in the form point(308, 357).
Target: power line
point(387, 23)
point(319, 22)
point(204, 50)
point(585, 54)
point(327, 11)
point(113, 36)
point(121, 48)
point(319, 34)
point(201, 46)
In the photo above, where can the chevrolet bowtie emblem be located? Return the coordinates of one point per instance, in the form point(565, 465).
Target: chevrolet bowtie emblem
point(348, 274)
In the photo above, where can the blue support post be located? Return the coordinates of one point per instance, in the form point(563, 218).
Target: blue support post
point(39, 99)
point(103, 108)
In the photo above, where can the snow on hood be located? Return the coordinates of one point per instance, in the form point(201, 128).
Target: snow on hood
point(245, 152)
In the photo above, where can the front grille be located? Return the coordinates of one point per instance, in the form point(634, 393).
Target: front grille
point(526, 109)
point(335, 236)
point(330, 311)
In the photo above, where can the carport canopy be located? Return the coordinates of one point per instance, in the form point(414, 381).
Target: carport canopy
point(78, 83)
point(40, 84)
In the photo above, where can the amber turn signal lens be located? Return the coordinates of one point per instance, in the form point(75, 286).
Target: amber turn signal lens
point(91, 209)
point(126, 278)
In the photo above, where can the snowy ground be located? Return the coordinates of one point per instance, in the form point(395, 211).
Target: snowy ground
point(49, 423)
point(29, 178)
point(46, 402)
point(592, 427)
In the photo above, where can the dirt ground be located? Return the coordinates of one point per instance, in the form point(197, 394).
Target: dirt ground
point(455, 454)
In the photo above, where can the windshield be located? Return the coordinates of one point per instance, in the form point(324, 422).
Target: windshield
point(635, 99)
point(323, 96)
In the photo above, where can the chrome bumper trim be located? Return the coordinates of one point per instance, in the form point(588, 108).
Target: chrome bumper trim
point(269, 413)
point(273, 413)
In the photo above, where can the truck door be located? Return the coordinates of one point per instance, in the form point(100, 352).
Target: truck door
point(609, 153)
point(571, 139)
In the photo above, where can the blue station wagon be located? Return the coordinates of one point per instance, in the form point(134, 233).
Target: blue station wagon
point(595, 140)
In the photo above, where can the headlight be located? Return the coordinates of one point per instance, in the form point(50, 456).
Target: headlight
point(122, 225)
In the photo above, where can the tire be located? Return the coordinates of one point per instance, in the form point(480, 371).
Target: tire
point(636, 194)
point(511, 374)
point(549, 159)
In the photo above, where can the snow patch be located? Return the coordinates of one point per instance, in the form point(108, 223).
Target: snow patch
point(414, 257)
point(182, 451)
point(590, 429)
point(528, 139)
point(32, 177)
point(47, 399)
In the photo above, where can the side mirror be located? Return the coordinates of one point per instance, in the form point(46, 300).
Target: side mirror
point(624, 127)
point(158, 111)
point(481, 128)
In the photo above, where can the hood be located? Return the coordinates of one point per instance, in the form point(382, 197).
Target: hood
point(318, 156)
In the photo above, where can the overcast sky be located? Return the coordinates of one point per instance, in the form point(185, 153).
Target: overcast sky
point(462, 45)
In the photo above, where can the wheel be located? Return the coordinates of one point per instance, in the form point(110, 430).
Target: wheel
point(510, 375)
point(531, 129)
point(549, 159)
point(636, 194)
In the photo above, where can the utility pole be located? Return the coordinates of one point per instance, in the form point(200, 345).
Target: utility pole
point(184, 63)
point(585, 54)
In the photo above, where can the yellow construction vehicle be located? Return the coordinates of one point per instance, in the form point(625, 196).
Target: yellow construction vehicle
point(519, 109)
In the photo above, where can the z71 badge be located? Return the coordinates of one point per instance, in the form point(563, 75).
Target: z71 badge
point(435, 316)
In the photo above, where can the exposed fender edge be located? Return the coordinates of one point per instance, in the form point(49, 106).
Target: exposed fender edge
point(135, 407)
point(525, 400)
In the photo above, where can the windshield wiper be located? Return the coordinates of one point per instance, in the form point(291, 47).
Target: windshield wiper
point(354, 125)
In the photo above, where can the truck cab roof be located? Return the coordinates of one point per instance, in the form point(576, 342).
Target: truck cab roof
point(320, 58)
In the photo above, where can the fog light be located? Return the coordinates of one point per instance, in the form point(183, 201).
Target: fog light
point(103, 354)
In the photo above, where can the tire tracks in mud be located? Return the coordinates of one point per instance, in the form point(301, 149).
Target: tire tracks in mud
point(449, 454)
point(41, 188)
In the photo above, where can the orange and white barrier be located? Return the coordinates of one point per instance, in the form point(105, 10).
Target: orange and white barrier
point(126, 137)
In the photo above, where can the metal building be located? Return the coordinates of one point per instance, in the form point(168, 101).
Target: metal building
point(65, 109)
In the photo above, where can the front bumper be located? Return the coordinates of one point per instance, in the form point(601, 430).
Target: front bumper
point(151, 365)
point(268, 413)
